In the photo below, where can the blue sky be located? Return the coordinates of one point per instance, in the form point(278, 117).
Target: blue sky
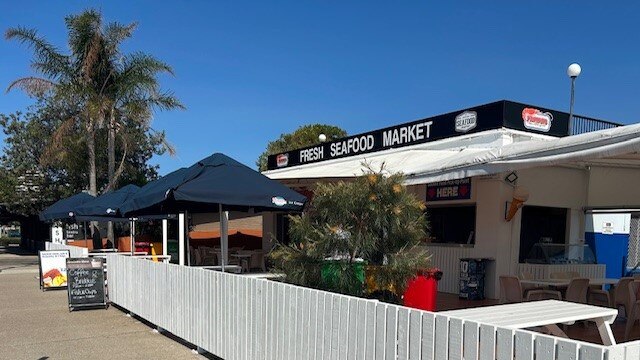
point(249, 71)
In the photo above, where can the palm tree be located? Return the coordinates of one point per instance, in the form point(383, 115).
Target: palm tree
point(133, 95)
point(111, 88)
point(76, 78)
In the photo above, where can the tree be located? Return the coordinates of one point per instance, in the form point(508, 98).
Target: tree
point(108, 88)
point(306, 135)
point(32, 177)
point(372, 218)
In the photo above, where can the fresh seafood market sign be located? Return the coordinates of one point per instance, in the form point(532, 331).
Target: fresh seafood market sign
point(481, 118)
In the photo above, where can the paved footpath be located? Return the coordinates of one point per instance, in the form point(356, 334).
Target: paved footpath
point(38, 325)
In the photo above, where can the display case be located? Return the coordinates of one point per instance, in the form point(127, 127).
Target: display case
point(549, 253)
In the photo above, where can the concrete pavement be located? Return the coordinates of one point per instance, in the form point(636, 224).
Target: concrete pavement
point(38, 325)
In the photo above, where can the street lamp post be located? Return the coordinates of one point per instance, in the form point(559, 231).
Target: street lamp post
point(573, 71)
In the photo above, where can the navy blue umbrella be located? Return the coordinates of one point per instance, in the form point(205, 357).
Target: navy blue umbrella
point(216, 183)
point(64, 209)
point(149, 198)
point(106, 207)
point(215, 180)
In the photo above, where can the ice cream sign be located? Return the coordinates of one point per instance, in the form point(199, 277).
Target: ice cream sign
point(535, 119)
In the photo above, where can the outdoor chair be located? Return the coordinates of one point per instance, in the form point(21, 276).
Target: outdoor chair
point(257, 260)
point(621, 295)
point(577, 290)
point(208, 256)
point(599, 297)
point(634, 305)
point(525, 275)
point(511, 291)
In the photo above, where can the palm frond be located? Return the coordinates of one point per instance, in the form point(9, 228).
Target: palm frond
point(50, 62)
point(34, 86)
point(55, 151)
point(115, 33)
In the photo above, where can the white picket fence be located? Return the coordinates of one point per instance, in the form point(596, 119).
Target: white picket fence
point(238, 317)
point(74, 251)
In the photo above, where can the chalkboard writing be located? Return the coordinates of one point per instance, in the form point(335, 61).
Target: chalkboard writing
point(85, 285)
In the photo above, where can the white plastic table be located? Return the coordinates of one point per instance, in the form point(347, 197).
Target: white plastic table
point(545, 313)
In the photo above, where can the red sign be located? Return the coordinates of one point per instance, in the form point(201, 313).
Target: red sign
point(535, 119)
point(449, 190)
point(282, 160)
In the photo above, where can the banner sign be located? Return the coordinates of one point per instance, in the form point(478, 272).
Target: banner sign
point(53, 268)
point(481, 118)
point(72, 232)
point(449, 190)
point(86, 282)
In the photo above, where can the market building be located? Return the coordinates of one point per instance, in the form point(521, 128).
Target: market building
point(522, 185)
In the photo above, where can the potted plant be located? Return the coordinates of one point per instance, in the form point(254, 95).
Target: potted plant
point(365, 231)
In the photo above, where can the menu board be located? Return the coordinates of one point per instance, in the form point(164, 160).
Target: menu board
point(53, 268)
point(86, 282)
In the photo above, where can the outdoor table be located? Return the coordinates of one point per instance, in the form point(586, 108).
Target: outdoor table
point(243, 258)
point(228, 268)
point(545, 313)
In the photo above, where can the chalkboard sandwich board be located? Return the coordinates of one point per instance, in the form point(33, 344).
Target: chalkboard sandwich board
point(86, 287)
point(53, 269)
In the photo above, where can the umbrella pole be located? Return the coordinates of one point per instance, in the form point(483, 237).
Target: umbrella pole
point(224, 238)
point(132, 229)
point(181, 238)
point(165, 235)
point(186, 237)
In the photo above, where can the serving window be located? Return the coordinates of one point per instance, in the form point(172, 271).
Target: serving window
point(452, 224)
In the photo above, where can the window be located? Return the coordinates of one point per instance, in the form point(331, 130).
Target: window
point(282, 228)
point(541, 224)
point(452, 224)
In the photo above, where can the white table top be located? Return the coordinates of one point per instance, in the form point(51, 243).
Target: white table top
point(565, 282)
point(534, 313)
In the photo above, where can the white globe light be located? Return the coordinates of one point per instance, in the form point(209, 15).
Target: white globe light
point(574, 70)
point(322, 137)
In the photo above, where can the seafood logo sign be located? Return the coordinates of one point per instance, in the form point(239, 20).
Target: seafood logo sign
point(466, 121)
point(535, 119)
point(53, 269)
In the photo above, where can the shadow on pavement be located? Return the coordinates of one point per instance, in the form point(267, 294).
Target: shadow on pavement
point(16, 250)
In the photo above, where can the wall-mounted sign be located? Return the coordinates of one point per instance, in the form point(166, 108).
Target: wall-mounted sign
point(53, 268)
point(72, 232)
point(607, 227)
point(538, 120)
point(282, 160)
point(466, 121)
point(501, 114)
point(449, 190)
point(57, 234)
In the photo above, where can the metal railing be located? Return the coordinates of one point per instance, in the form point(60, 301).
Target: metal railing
point(237, 317)
point(583, 124)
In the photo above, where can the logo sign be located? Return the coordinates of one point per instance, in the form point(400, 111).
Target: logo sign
point(535, 119)
point(282, 160)
point(466, 121)
point(449, 190)
point(278, 201)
